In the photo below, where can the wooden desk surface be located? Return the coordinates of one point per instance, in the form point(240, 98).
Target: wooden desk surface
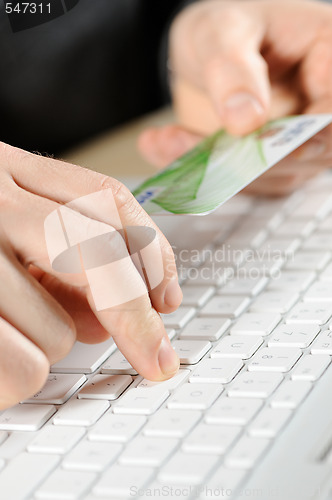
point(114, 153)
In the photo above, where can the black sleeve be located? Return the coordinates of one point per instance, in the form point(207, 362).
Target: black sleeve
point(93, 68)
point(163, 53)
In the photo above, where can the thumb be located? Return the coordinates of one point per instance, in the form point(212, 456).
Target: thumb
point(215, 46)
point(238, 85)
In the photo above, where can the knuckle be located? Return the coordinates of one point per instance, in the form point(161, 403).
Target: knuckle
point(108, 182)
point(100, 181)
point(123, 197)
point(126, 202)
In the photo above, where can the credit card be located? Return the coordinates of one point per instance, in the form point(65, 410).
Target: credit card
point(222, 165)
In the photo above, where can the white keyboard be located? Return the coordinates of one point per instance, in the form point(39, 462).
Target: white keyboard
point(254, 336)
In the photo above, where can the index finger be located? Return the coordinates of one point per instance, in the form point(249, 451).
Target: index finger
point(65, 183)
point(107, 232)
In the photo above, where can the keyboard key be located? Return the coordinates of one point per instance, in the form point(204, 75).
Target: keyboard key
point(84, 358)
point(258, 265)
point(169, 384)
point(311, 367)
point(269, 423)
point(280, 247)
point(255, 385)
point(326, 274)
point(323, 343)
point(292, 281)
point(300, 227)
point(171, 333)
point(81, 412)
point(58, 389)
point(187, 468)
point(15, 444)
point(256, 324)
point(269, 221)
point(118, 365)
point(178, 318)
point(268, 207)
point(105, 387)
point(171, 423)
point(310, 312)
point(321, 291)
point(205, 329)
point(3, 436)
point(211, 439)
point(141, 401)
point(318, 241)
point(148, 451)
point(63, 484)
point(326, 224)
point(91, 456)
point(230, 255)
point(25, 417)
point(223, 480)
point(308, 261)
point(225, 305)
point(35, 469)
point(278, 302)
point(241, 347)
point(216, 371)
point(196, 296)
point(191, 351)
point(231, 411)
point(274, 359)
point(252, 234)
point(316, 205)
point(120, 482)
point(116, 428)
point(194, 397)
point(246, 453)
point(211, 273)
point(293, 335)
point(56, 439)
point(291, 394)
point(244, 286)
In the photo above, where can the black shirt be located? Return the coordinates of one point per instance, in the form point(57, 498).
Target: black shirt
point(90, 69)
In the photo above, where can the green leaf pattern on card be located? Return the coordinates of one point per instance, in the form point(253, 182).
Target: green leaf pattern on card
point(222, 165)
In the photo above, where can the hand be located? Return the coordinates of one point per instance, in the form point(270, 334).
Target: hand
point(42, 311)
point(238, 64)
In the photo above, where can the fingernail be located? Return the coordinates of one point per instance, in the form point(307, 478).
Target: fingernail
point(241, 107)
point(167, 358)
point(311, 150)
point(173, 294)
